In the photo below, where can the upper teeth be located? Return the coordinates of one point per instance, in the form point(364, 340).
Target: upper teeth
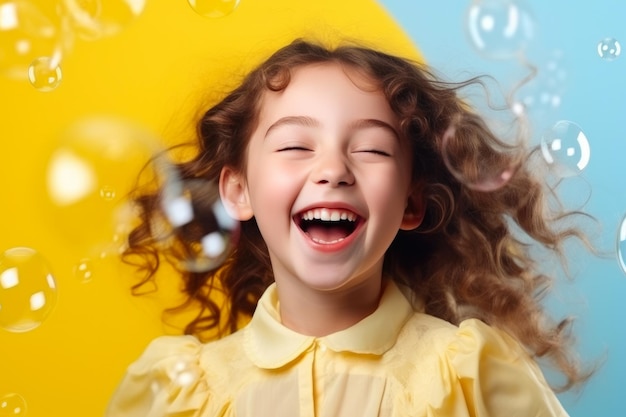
point(328, 215)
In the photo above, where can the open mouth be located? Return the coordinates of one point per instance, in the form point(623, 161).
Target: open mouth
point(327, 226)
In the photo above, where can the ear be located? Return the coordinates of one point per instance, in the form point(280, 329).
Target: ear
point(415, 209)
point(234, 194)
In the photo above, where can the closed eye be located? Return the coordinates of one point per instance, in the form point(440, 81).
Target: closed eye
point(376, 152)
point(293, 148)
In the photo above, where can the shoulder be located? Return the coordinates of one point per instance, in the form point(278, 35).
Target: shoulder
point(476, 365)
point(177, 374)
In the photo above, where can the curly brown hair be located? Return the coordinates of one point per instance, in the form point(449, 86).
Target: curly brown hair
point(471, 256)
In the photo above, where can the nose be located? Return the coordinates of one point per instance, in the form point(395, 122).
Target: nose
point(332, 169)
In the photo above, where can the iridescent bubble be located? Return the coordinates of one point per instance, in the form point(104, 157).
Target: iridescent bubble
point(12, 405)
point(499, 29)
point(89, 175)
point(193, 211)
point(621, 245)
point(28, 290)
point(213, 8)
point(609, 49)
point(45, 74)
point(482, 163)
point(26, 34)
point(566, 149)
point(94, 19)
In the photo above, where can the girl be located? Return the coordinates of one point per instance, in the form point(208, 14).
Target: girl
point(378, 283)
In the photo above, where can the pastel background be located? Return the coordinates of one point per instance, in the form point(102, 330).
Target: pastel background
point(149, 78)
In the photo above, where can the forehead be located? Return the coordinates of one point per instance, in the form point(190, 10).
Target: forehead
point(327, 89)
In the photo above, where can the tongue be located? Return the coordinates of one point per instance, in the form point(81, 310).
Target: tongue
point(326, 233)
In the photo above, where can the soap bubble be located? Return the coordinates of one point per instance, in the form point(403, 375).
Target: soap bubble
point(565, 148)
point(481, 163)
point(609, 49)
point(499, 29)
point(213, 8)
point(94, 19)
point(192, 209)
point(541, 95)
point(84, 270)
point(12, 405)
point(28, 290)
point(621, 245)
point(26, 34)
point(45, 74)
point(89, 175)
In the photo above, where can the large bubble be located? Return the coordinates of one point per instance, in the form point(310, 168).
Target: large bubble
point(94, 166)
point(499, 29)
point(193, 210)
point(621, 245)
point(13, 405)
point(94, 19)
point(484, 160)
point(566, 149)
point(28, 290)
point(213, 8)
point(26, 34)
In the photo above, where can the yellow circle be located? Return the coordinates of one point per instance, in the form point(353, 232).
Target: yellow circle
point(154, 72)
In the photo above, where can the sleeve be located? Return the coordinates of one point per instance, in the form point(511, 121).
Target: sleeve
point(492, 375)
point(166, 380)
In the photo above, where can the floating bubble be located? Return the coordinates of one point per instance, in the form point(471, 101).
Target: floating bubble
point(213, 8)
point(621, 245)
point(499, 29)
point(89, 175)
point(28, 290)
point(26, 34)
point(94, 19)
point(45, 74)
point(609, 49)
point(84, 270)
point(12, 405)
point(566, 149)
point(482, 163)
point(540, 96)
point(193, 211)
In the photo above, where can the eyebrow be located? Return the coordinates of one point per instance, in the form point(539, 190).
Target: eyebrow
point(307, 121)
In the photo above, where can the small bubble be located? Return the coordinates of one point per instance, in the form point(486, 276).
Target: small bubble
point(213, 8)
point(499, 29)
point(84, 270)
point(12, 405)
point(27, 290)
point(565, 148)
point(107, 193)
point(609, 49)
point(44, 74)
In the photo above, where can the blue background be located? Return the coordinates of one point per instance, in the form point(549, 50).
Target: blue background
point(594, 97)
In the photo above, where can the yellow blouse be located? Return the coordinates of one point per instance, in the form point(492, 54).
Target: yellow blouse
point(395, 362)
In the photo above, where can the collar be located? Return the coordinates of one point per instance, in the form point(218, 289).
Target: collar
point(269, 344)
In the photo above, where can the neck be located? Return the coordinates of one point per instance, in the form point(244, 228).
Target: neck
point(319, 313)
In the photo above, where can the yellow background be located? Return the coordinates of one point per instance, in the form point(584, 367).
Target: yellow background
point(154, 72)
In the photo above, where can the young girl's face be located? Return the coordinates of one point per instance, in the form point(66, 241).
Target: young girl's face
point(327, 179)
